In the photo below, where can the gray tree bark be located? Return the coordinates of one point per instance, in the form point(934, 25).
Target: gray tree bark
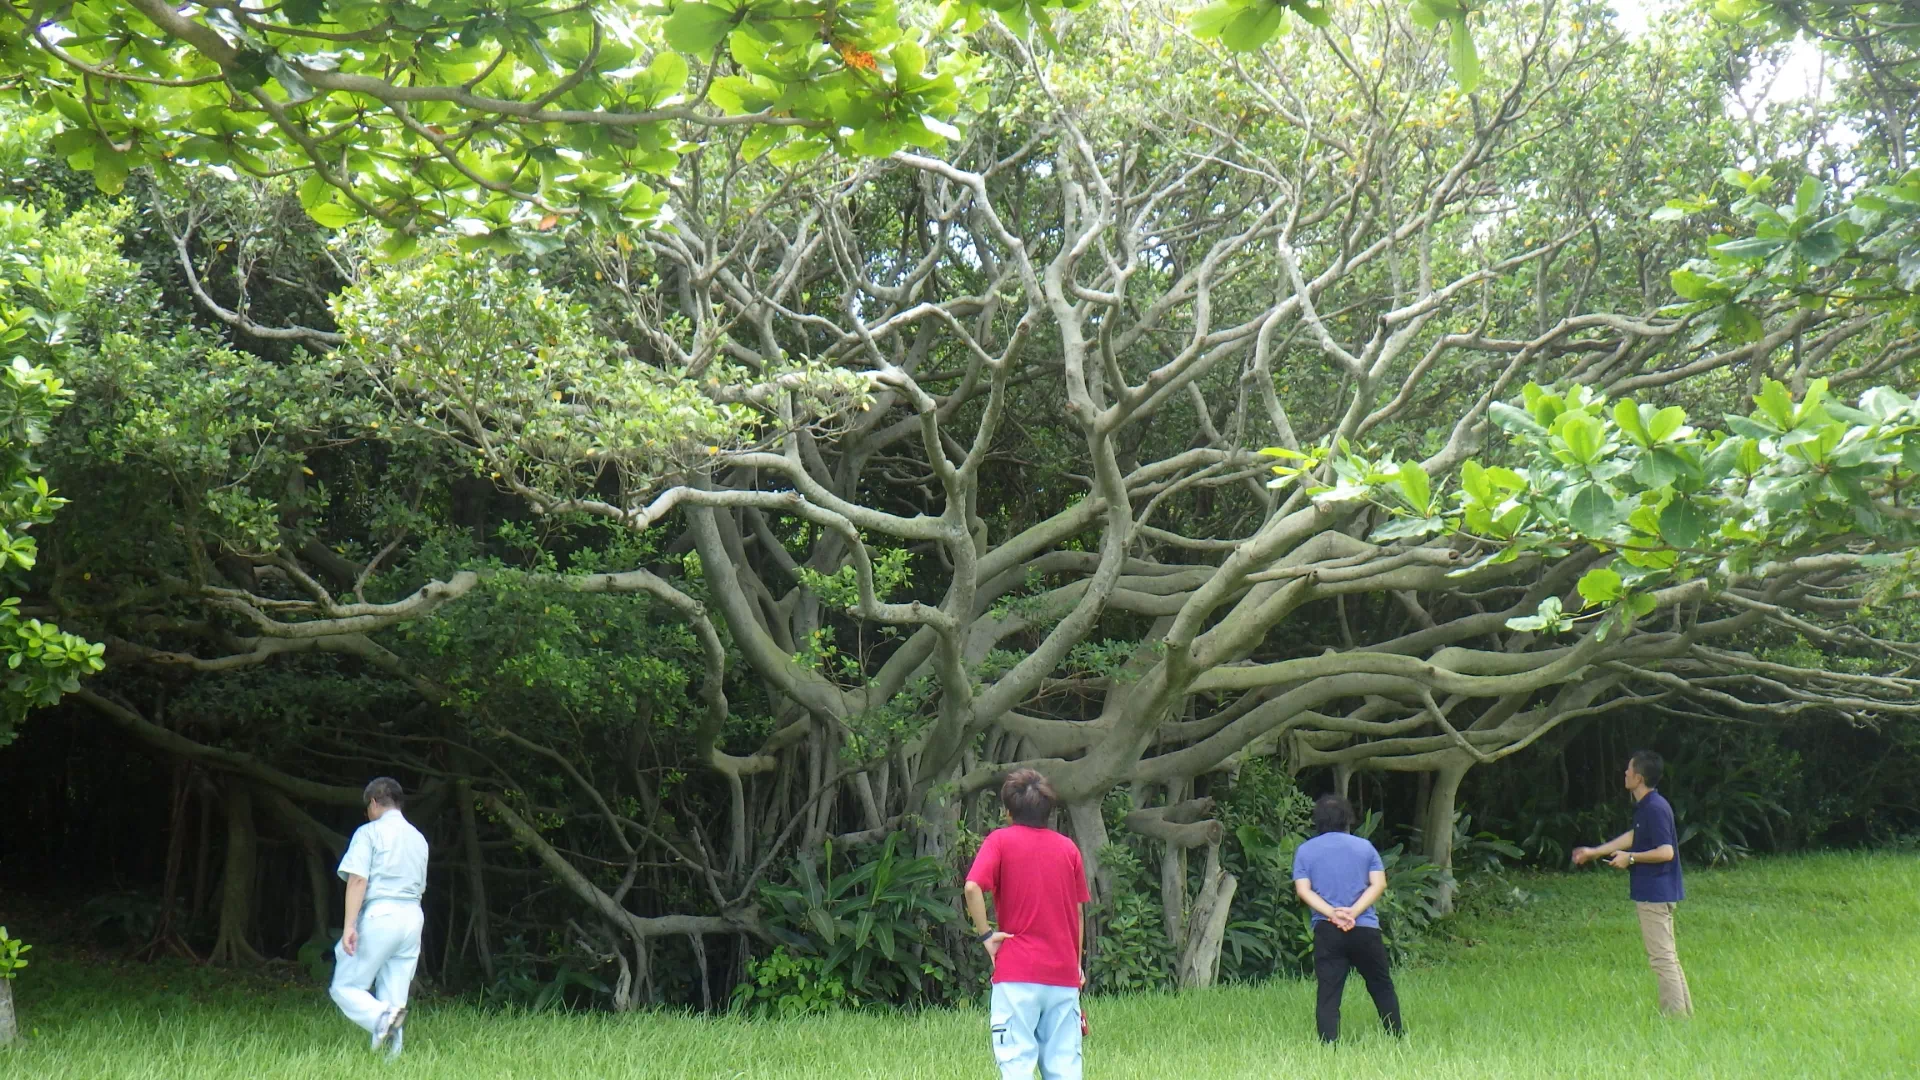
point(9, 1028)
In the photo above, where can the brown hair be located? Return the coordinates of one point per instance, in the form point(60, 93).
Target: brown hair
point(1028, 798)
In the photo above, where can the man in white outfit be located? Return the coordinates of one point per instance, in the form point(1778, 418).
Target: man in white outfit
point(385, 869)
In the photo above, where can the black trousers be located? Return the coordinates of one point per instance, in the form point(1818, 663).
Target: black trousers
point(1334, 952)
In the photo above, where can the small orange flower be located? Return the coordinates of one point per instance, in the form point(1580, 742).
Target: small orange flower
point(857, 59)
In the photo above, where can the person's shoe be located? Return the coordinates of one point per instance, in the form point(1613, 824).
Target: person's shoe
point(390, 1022)
point(397, 1037)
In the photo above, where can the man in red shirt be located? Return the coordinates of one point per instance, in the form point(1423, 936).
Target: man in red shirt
point(1038, 884)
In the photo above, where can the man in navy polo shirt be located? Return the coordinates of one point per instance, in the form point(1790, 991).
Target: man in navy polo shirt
point(1340, 875)
point(1650, 853)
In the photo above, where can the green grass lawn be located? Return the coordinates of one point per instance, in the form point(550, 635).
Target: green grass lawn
point(1804, 967)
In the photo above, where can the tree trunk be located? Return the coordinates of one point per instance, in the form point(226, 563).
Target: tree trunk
point(1439, 832)
point(1173, 891)
point(476, 879)
point(1090, 832)
point(236, 893)
point(1207, 925)
point(9, 1028)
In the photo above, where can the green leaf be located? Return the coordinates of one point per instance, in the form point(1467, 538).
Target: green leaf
point(1626, 413)
point(1775, 403)
point(1808, 197)
point(1514, 419)
point(1821, 248)
point(1423, 15)
point(1402, 527)
point(1682, 523)
point(1584, 436)
point(1694, 286)
point(1599, 586)
point(1740, 325)
point(1667, 421)
point(1752, 247)
point(1415, 487)
point(1655, 470)
point(1209, 21)
point(334, 215)
point(1593, 512)
point(1462, 57)
point(109, 170)
point(1255, 25)
point(697, 28)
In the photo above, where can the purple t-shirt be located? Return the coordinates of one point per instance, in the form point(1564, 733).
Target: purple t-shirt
point(1337, 865)
point(1655, 883)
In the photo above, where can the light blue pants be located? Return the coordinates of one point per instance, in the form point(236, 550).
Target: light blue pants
point(1035, 1024)
point(384, 960)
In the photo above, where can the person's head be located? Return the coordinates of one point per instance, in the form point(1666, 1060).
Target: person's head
point(1028, 798)
point(383, 794)
point(1644, 769)
point(1332, 813)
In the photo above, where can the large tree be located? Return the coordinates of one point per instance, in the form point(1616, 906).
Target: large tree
point(957, 447)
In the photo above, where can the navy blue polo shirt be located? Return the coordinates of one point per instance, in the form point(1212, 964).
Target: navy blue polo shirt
point(1655, 883)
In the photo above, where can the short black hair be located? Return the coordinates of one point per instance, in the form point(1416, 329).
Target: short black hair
point(385, 790)
point(1332, 813)
point(1028, 798)
point(1649, 765)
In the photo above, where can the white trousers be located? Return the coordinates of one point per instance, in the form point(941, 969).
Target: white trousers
point(389, 950)
point(1035, 1024)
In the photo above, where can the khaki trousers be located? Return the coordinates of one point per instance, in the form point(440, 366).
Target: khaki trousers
point(1656, 929)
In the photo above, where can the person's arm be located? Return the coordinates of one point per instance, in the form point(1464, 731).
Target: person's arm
point(977, 911)
point(1584, 855)
point(1080, 939)
point(1303, 887)
point(1624, 859)
point(356, 895)
point(1376, 884)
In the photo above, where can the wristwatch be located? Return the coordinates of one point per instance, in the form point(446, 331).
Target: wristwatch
point(1629, 858)
point(985, 936)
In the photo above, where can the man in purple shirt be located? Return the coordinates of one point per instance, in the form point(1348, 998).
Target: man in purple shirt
point(1339, 875)
point(1650, 853)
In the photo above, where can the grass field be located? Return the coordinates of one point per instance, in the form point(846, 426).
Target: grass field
point(1804, 967)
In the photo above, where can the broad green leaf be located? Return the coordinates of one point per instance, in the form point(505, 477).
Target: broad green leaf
point(1593, 512)
point(1752, 247)
point(1822, 247)
point(1775, 403)
point(1808, 196)
point(1682, 523)
point(697, 28)
point(334, 215)
point(1415, 487)
point(1584, 437)
point(1655, 470)
point(1462, 57)
point(1254, 26)
point(1740, 325)
point(1599, 586)
point(1626, 413)
point(1666, 422)
point(1690, 285)
point(1402, 527)
point(1209, 21)
point(1514, 420)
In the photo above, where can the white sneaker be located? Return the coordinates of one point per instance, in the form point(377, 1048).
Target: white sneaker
point(399, 1033)
point(390, 1022)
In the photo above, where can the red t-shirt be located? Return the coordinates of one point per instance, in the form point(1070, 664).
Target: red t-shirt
point(1038, 884)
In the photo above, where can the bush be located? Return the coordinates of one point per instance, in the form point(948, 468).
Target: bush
point(874, 930)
